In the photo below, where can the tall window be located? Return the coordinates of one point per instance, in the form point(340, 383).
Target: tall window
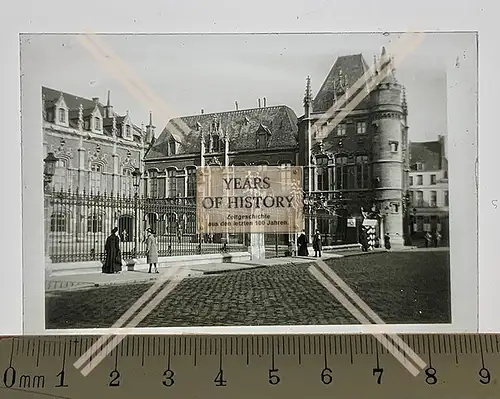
point(322, 172)
point(411, 180)
point(420, 180)
point(360, 127)
point(153, 183)
point(341, 173)
point(216, 143)
point(171, 183)
point(180, 190)
point(127, 182)
point(341, 129)
point(94, 223)
point(433, 198)
point(419, 199)
point(394, 146)
point(62, 115)
point(433, 179)
point(191, 182)
point(58, 223)
point(97, 123)
point(95, 178)
point(362, 172)
point(127, 131)
point(285, 177)
point(60, 178)
point(446, 199)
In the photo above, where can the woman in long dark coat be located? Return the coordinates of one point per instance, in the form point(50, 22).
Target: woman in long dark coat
point(113, 262)
point(302, 245)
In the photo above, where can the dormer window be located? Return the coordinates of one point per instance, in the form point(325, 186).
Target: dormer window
point(97, 123)
point(172, 147)
point(420, 166)
point(262, 140)
point(127, 131)
point(62, 115)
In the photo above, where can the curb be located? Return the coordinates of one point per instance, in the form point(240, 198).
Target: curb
point(222, 271)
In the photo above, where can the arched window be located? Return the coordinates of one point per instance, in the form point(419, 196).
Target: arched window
point(191, 182)
point(341, 173)
point(95, 223)
point(362, 172)
point(60, 178)
point(58, 223)
point(95, 178)
point(153, 183)
point(216, 143)
point(172, 188)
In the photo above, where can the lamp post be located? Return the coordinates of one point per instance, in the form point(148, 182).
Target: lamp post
point(136, 174)
point(49, 169)
point(407, 217)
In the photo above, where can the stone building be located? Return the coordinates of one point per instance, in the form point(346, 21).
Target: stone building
point(429, 187)
point(361, 163)
point(97, 151)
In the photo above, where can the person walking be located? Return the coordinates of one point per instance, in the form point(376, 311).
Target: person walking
point(428, 239)
point(387, 241)
point(113, 260)
point(302, 244)
point(363, 238)
point(317, 244)
point(152, 250)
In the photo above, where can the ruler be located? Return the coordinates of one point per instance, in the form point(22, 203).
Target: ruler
point(307, 366)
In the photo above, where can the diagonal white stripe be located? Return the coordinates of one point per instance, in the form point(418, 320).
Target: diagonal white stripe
point(368, 311)
point(362, 319)
point(136, 320)
point(127, 315)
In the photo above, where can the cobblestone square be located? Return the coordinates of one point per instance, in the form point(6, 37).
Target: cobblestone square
point(402, 287)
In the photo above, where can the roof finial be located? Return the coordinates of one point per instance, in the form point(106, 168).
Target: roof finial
point(80, 117)
point(404, 103)
point(150, 118)
point(307, 94)
point(375, 64)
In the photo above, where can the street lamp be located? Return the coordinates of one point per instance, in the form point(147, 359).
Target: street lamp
point(136, 174)
point(49, 169)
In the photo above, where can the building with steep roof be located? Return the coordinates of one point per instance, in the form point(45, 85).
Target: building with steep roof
point(359, 163)
point(97, 151)
point(429, 195)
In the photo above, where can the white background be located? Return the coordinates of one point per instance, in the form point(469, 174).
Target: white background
point(238, 16)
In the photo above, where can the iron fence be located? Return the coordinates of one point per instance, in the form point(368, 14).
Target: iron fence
point(79, 223)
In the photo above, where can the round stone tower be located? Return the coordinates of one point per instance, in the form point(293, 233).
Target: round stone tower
point(387, 146)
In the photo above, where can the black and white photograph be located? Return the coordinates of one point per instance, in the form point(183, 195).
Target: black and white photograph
point(123, 124)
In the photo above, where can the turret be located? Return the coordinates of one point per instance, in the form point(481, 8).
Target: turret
point(388, 145)
point(150, 131)
point(108, 109)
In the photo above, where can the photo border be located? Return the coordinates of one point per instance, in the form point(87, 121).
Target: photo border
point(462, 152)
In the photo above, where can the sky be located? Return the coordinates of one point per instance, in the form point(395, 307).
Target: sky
point(187, 73)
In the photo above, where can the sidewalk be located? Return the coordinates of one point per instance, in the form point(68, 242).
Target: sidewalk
point(89, 280)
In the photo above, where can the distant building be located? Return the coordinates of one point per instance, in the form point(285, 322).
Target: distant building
point(429, 194)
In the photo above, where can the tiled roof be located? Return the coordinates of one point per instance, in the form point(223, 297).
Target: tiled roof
point(428, 153)
point(242, 126)
point(350, 66)
point(73, 102)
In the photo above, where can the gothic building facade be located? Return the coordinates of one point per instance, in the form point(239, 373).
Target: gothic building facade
point(359, 163)
point(97, 151)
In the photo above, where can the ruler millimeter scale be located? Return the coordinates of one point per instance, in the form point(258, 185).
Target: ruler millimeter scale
point(316, 366)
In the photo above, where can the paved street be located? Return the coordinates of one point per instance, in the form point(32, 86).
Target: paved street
point(402, 287)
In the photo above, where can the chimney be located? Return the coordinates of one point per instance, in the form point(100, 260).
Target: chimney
point(202, 111)
point(236, 104)
point(265, 101)
point(259, 102)
point(108, 110)
point(95, 99)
